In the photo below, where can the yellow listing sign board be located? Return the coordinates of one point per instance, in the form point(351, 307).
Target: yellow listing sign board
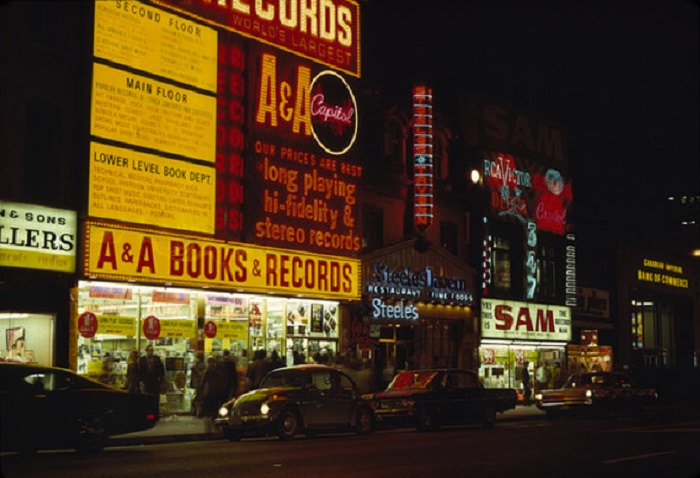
point(177, 328)
point(142, 188)
point(137, 110)
point(127, 254)
point(116, 325)
point(150, 39)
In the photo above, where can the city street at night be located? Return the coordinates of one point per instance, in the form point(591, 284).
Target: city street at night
point(646, 447)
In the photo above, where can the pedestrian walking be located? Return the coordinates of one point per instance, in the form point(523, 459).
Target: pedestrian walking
point(151, 371)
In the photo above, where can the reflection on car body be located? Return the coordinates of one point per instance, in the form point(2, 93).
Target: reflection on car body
point(431, 398)
point(300, 398)
point(601, 392)
point(50, 407)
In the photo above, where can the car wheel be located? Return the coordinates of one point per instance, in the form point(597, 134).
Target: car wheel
point(288, 424)
point(427, 420)
point(90, 435)
point(488, 417)
point(364, 421)
point(230, 434)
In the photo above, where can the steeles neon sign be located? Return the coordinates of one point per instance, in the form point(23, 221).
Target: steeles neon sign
point(422, 157)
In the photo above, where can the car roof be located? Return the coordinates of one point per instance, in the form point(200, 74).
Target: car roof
point(434, 370)
point(33, 367)
point(305, 367)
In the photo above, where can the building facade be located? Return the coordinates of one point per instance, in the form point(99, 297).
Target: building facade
point(179, 176)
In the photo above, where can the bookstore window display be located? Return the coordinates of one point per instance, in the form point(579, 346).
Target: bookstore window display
point(114, 319)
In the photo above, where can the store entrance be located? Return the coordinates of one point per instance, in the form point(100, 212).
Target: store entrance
point(395, 351)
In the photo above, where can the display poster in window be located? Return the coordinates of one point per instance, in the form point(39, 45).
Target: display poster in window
point(316, 318)
point(298, 318)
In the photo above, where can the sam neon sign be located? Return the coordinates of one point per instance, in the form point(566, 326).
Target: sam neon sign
point(422, 157)
point(505, 319)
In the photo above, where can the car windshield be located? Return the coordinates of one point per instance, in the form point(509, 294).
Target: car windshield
point(412, 380)
point(588, 379)
point(284, 379)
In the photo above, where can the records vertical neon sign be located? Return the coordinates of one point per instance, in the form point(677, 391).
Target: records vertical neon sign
point(422, 157)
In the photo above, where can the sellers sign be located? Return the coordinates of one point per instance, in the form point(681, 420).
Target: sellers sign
point(37, 237)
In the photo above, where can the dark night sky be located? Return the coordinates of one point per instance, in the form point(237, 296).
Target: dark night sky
point(620, 77)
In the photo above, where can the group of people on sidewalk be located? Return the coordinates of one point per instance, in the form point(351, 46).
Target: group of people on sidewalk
point(217, 381)
point(145, 373)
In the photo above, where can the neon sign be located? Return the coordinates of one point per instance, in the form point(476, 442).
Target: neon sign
point(504, 319)
point(326, 31)
point(230, 138)
point(302, 192)
point(422, 157)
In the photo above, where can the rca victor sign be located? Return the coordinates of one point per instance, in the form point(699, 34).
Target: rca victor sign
point(504, 319)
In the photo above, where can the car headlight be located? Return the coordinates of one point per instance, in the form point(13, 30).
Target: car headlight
point(223, 412)
point(264, 409)
point(589, 393)
point(538, 396)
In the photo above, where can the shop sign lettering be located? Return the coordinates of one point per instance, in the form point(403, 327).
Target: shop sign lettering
point(326, 31)
point(150, 256)
point(524, 320)
point(381, 310)
point(418, 285)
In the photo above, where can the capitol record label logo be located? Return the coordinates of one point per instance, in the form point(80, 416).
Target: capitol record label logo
point(333, 113)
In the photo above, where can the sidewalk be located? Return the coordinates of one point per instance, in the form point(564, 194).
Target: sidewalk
point(180, 428)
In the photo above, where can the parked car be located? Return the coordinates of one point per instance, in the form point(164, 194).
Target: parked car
point(599, 392)
point(47, 407)
point(431, 398)
point(297, 399)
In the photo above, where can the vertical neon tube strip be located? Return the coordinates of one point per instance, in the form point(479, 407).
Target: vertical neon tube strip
point(423, 201)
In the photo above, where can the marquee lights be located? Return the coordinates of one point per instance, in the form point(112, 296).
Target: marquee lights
point(423, 157)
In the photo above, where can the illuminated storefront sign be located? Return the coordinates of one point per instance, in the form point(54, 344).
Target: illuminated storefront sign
point(422, 285)
point(37, 237)
point(325, 31)
point(502, 319)
point(422, 157)
point(333, 111)
point(140, 111)
point(230, 137)
point(126, 254)
point(146, 189)
point(655, 271)
point(166, 45)
point(525, 191)
point(298, 196)
point(400, 311)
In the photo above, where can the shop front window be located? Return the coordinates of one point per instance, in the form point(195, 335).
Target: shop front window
point(653, 332)
point(115, 319)
point(501, 365)
point(28, 337)
point(501, 264)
